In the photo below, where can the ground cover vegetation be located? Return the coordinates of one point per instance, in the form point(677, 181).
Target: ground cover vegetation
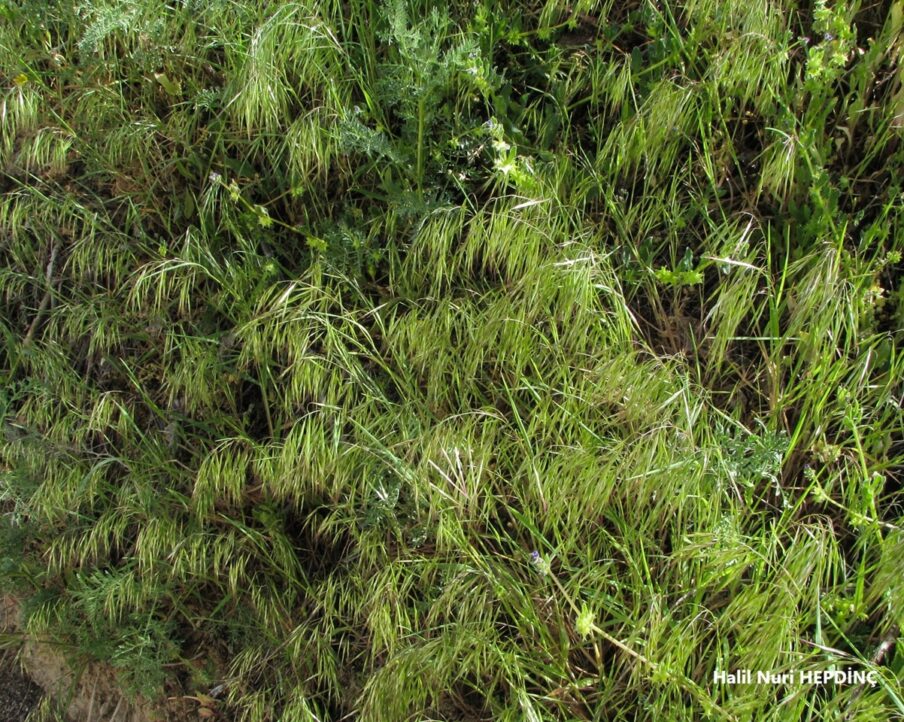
point(457, 361)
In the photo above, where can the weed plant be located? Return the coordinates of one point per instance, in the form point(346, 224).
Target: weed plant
point(457, 361)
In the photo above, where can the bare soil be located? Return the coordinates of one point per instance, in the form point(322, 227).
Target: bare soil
point(18, 694)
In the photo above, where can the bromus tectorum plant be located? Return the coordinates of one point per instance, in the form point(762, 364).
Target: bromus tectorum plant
point(475, 361)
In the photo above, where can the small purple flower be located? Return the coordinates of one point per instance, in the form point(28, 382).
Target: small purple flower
point(539, 563)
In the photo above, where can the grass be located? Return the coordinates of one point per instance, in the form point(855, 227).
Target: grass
point(499, 361)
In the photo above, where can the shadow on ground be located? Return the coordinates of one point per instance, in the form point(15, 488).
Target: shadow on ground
point(18, 694)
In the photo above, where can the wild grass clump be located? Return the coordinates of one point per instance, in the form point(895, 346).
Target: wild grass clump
point(477, 361)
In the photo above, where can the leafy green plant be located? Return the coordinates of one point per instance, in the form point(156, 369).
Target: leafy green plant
point(683, 275)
